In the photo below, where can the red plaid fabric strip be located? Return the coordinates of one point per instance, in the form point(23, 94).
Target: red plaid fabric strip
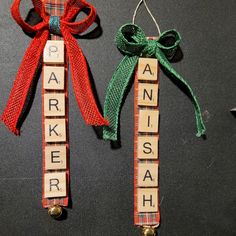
point(56, 8)
point(140, 218)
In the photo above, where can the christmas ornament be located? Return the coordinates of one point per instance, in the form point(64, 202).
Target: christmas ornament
point(142, 57)
point(54, 45)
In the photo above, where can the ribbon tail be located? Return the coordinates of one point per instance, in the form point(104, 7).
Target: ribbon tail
point(199, 121)
point(81, 84)
point(115, 95)
point(18, 100)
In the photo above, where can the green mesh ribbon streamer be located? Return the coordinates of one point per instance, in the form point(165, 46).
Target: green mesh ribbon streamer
point(132, 42)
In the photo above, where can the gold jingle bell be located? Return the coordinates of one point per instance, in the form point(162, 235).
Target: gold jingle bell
point(55, 211)
point(148, 231)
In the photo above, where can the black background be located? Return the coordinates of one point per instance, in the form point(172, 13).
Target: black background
point(197, 177)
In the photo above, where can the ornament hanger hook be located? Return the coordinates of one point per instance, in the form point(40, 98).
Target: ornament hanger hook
point(149, 12)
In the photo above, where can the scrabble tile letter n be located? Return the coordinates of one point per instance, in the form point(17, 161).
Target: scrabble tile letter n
point(147, 94)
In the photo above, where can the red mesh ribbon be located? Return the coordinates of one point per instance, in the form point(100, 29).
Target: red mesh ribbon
point(80, 78)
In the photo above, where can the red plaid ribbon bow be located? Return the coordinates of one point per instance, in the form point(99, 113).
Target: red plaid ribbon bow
point(20, 93)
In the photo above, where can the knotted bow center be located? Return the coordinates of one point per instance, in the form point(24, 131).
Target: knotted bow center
point(150, 49)
point(55, 25)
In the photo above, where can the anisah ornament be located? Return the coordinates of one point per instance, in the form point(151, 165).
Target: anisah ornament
point(143, 55)
point(54, 46)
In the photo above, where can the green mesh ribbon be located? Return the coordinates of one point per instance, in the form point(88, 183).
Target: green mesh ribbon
point(132, 42)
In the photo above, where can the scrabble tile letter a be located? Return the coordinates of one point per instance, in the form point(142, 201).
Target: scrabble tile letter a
point(147, 69)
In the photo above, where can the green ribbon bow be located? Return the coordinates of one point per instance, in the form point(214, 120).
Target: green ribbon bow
point(132, 42)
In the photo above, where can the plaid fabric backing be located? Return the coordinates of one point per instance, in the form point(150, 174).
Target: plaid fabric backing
point(142, 219)
point(56, 8)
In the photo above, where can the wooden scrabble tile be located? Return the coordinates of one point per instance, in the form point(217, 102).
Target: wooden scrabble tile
point(54, 104)
point(147, 94)
point(55, 157)
point(55, 130)
point(54, 77)
point(148, 147)
point(147, 200)
point(147, 69)
point(148, 121)
point(54, 52)
point(55, 184)
point(148, 175)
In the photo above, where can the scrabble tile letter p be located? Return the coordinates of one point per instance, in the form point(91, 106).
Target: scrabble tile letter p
point(54, 52)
